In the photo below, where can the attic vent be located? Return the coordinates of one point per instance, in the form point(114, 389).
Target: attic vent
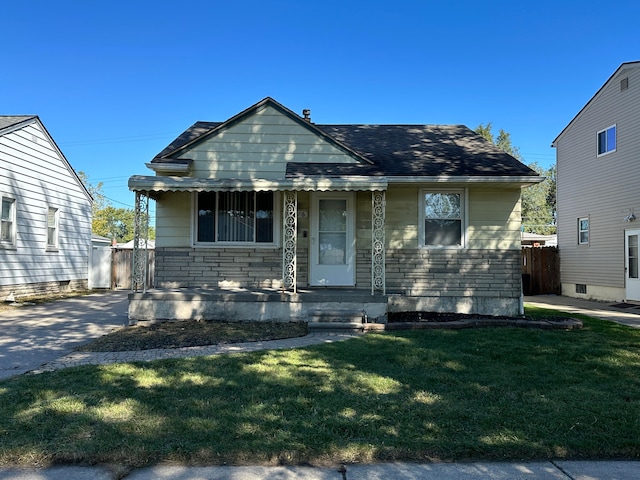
point(624, 84)
point(34, 139)
point(306, 113)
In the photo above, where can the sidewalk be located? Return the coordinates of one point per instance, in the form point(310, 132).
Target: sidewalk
point(556, 470)
point(626, 315)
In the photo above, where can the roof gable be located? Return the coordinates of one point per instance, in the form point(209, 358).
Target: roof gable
point(254, 116)
point(13, 123)
point(623, 68)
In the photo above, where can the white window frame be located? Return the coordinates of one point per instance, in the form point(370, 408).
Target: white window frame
point(581, 230)
point(607, 150)
point(464, 207)
point(277, 212)
point(52, 230)
point(11, 243)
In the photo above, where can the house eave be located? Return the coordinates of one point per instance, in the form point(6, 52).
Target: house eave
point(494, 179)
point(168, 167)
point(140, 183)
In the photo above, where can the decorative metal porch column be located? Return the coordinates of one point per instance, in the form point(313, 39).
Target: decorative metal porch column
point(378, 204)
point(290, 241)
point(140, 261)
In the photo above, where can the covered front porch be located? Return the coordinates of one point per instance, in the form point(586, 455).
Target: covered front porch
point(273, 282)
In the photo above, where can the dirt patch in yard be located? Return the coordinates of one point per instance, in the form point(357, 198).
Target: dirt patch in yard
point(192, 333)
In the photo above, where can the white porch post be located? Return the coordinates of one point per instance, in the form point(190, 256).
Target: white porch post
point(140, 260)
point(378, 204)
point(290, 240)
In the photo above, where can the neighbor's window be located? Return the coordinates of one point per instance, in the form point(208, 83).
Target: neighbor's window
point(607, 140)
point(236, 217)
point(8, 222)
point(52, 227)
point(443, 219)
point(583, 231)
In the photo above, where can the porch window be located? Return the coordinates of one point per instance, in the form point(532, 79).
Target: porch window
point(443, 218)
point(8, 222)
point(235, 217)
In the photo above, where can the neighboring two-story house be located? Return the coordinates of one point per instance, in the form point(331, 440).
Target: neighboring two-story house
point(598, 195)
point(45, 229)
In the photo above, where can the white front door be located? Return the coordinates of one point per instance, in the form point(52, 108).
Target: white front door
point(631, 244)
point(332, 249)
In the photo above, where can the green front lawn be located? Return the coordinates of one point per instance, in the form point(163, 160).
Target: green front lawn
point(489, 394)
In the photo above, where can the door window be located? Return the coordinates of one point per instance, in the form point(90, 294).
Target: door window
point(332, 232)
point(632, 246)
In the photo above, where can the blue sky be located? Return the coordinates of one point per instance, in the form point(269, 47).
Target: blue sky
point(114, 82)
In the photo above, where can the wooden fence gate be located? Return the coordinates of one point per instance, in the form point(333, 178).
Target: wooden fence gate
point(540, 270)
point(121, 268)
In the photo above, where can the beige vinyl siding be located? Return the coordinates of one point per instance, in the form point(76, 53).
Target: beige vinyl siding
point(173, 219)
point(33, 172)
point(604, 188)
point(493, 217)
point(402, 216)
point(260, 147)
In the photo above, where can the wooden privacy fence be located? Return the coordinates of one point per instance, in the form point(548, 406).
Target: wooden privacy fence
point(540, 270)
point(121, 268)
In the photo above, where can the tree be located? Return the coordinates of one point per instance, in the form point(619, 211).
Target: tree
point(108, 221)
point(502, 141)
point(539, 200)
point(99, 200)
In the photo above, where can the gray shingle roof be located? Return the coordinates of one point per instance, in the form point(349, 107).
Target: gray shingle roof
point(7, 121)
point(388, 150)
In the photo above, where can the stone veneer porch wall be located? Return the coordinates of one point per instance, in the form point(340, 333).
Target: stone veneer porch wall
point(487, 282)
point(224, 267)
point(465, 281)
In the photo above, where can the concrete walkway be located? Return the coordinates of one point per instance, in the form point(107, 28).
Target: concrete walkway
point(100, 358)
point(628, 315)
point(556, 470)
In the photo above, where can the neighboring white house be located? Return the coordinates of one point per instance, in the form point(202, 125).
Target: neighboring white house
point(598, 174)
point(45, 233)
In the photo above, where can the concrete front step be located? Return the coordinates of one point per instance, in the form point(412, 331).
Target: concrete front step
point(333, 326)
point(335, 316)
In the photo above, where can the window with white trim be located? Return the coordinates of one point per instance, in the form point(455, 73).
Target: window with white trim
point(583, 231)
point(235, 218)
point(52, 227)
point(8, 222)
point(607, 140)
point(443, 219)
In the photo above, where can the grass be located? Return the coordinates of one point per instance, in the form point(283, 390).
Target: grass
point(489, 394)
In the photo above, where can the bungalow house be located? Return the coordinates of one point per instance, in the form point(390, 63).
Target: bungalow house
point(269, 215)
point(45, 231)
point(597, 192)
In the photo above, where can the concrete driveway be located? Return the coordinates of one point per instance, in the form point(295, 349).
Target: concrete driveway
point(33, 335)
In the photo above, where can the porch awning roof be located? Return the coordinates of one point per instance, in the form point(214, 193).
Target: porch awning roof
point(141, 183)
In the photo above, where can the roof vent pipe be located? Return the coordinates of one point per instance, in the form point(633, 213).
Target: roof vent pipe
point(306, 113)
